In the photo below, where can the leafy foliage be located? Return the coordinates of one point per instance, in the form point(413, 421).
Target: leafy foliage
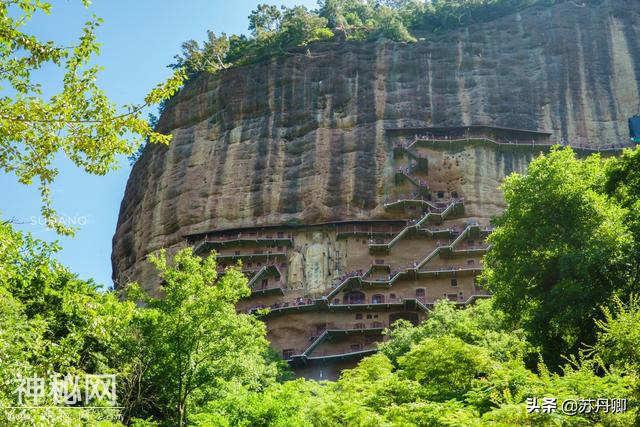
point(445, 366)
point(273, 32)
point(50, 321)
point(619, 335)
point(193, 341)
point(189, 357)
point(480, 325)
point(563, 265)
point(277, 31)
point(175, 352)
point(560, 251)
point(440, 380)
point(79, 121)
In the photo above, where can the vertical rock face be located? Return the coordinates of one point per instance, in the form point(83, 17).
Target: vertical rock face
point(300, 139)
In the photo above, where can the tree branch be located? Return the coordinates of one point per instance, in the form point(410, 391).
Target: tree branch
point(28, 120)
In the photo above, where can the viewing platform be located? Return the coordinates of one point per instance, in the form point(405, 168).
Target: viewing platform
point(374, 331)
point(497, 133)
point(369, 230)
point(213, 242)
point(436, 271)
point(419, 200)
point(400, 302)
point(252, 256)
point(501, 136)
point(351, 353)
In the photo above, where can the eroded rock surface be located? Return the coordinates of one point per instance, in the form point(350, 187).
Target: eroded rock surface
point(300, 138)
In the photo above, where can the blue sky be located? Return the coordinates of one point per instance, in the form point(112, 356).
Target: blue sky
point(139, 38)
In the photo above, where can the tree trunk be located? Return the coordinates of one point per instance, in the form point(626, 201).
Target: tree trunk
point(181, 419)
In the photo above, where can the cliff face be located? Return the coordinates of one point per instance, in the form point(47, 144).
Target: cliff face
point(300, 138)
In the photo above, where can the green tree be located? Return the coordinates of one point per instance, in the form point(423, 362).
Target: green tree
point(390, 25)
point(479, 324)
point(300, 27)
point(618, 344)
point(623, 184)
point(280, 405)
point(619, 335)
point(362, 395)
point(78, 121)
point(500, 398)
point(446, 367)
point(193, 341)
point(19, 337)
point(209, 58)
point(51, 321)
point(265, 19)
point(190, 59)
point(84, 327)
point(560, 251)
point(238, 45)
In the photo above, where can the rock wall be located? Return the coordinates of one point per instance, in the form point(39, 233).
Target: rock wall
point(300, 138)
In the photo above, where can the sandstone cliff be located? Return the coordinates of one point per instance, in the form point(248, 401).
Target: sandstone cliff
point(300, 138)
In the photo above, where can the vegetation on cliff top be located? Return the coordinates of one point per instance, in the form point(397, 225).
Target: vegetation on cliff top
point(278, 31)
point(275, 31)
